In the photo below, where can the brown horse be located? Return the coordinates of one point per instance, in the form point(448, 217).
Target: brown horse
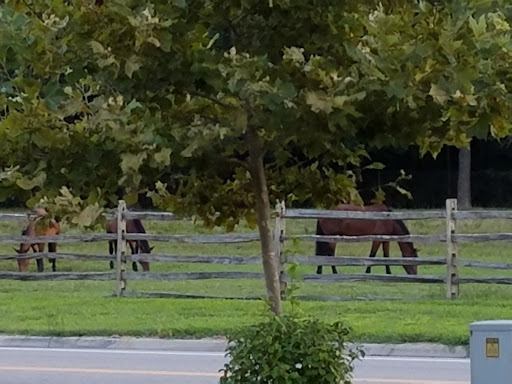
point(36, 229)
point(132, 226)
point(364, 227)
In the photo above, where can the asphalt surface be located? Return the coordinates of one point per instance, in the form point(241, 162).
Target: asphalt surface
point(36, 365)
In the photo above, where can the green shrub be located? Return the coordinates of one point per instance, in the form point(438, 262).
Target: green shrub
point(290, 349)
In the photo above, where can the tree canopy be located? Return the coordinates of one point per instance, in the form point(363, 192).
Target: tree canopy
point(219, 108)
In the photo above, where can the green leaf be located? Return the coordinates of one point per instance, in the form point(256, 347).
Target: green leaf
point(287, 90)
point(318, 102)
point(131, 162)
point(438, 94)
point(97, 47)
point(131, 65)
point(88, 216)
point(375, 165)
point(479, 28)
point(180, 3)
point(153, 40)
point(163, 157)
point(28, 183)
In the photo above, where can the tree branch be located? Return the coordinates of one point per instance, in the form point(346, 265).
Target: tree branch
point(207, 97)
point(31, 9)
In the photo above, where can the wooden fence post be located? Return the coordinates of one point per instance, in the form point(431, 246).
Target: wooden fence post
point(121, 248)
point(452, 287)
point(279, 231)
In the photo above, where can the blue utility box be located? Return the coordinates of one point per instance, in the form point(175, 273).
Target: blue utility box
point(490, 352)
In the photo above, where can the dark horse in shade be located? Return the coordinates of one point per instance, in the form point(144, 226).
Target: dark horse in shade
point(364, 227)
point(132, 226)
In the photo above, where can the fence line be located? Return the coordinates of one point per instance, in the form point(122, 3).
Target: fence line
point(373, 277)
point(205, 239)
point(86, 238)
point(334, 214)
point(369, 238)
point(57, 255)
point(53, 276)
point(362, 261)
point(193, 275)
point(121, 275)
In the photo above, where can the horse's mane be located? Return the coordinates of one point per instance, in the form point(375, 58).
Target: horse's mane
point(138, 225)
point(400, 224)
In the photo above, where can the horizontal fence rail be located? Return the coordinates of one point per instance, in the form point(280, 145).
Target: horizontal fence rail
point(334, 214)
point(371, 277)
point(362, 261)
point(478, 215)
point(483, 264)
point(193, 275)
point(205, 239)
point(213, 259)
point(13, 216)
point(57, 255)
point(369, 238)
point(86, 238)
point(485, 280)
point(160, 216)
point(482, 237)
point(53, 276)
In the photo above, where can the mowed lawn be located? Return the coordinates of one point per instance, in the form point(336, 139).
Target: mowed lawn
point(377, 312)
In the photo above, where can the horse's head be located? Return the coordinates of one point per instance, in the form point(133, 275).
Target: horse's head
point(144, 246)
point(411, 269)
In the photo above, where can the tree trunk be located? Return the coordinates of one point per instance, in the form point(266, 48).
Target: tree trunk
point(259, 181)
point(464, 179)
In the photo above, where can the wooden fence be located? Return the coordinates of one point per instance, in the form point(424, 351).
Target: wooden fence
point(450, 237)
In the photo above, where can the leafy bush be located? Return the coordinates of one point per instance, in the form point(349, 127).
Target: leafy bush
point(290, 349)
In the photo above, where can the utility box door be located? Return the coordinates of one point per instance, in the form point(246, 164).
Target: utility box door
point(490, 351)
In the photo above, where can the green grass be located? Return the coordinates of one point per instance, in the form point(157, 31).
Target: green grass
point(411, 313)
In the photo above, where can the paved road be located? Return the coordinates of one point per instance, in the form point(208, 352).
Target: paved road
point(98, 366)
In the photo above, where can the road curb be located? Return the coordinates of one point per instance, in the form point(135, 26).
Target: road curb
point(213, 345)
point(416, 350)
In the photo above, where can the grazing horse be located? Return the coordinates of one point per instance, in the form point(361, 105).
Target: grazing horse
point(364, 227)
point(37, 229)
point(132, 226)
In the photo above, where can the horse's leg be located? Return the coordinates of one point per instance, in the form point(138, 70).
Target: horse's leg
point(324, 249)
point(332, 249)
point(373, 252)
point(328, 250)
point(385, 252)
point(52, 247)
point(39, 261)
point(112, 250)
point(134, 246)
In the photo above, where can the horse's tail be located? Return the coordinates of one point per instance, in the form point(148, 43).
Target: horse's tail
point(321, 247)
point(143, 244)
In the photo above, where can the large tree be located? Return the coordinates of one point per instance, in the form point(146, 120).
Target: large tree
point(218, 108)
